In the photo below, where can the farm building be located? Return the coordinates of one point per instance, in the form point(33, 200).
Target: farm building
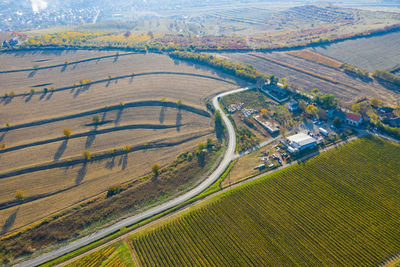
point(271, 127)
point(300, 142)
point(353, 119)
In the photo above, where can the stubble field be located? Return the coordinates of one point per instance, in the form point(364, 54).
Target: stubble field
point(133, 110)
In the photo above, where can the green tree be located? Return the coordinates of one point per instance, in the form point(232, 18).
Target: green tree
point(87, 155)
point(375, 102)
point(67, 132)
point(336, 122)
point(219, 126)
point(179, 102)
point(156, 170)
point(113, 190)
point(19, 195)
point(273, 80)
point(315, 91)
point(96, 119)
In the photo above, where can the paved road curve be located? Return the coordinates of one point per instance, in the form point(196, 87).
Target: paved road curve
point(230, 152)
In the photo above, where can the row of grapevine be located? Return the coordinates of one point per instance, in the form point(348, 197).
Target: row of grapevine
point(340, 208)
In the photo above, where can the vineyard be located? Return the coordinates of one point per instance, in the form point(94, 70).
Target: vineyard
point(115, 255)
point(338, 209)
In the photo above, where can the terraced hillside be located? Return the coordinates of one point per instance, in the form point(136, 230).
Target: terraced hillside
point(119, 102)
point(338, 209)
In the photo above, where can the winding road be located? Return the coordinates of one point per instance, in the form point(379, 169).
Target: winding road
point(228, 157)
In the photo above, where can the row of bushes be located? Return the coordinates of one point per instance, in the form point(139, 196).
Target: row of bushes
point(386, 77)
point(246, 72)
point(350, 69)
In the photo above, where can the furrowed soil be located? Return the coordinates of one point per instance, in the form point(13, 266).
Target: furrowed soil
point(307, 75)
point(378, 52)
point(34, 138)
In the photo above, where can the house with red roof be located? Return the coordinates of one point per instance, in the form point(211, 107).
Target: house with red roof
point(353, 119)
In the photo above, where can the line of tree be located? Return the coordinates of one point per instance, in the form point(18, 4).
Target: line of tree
point(238, 69)
point(350, 69)
point(386, 77)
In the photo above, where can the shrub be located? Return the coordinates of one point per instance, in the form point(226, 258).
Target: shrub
point(11, 94)
point(96, 119)
point(179, 102)
point(8, 124)
point(113, 190)
point(3, 145)
point(19, 195)
point(67, 132)
point(156, 169)
point(87, 155)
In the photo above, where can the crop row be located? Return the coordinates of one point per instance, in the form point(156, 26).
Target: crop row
point(340, 208)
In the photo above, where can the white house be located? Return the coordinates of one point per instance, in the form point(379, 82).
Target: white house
point(353, 119)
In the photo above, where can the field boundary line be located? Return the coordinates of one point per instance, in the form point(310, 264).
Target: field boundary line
point(134, 104)
point(102, 155)
point(86, 86)
point(92, 132)
point(69, 63)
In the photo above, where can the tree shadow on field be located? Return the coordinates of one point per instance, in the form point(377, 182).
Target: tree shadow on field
point(123, 161)
point(178, 120)
point(90, 139)
point(43, 95)
point(9, 222)
point(110, 164)
point(63, 68)
point(49, 95)
point(32, 73)
point(131, 79)
point(118, 117)
point(2, 136)
point(162, 114)
point(60, 150)
point(28, 98)
point(81, 174)
point(7, 100)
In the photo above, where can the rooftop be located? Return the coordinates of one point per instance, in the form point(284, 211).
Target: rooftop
point(301, 139)
point(353, 117)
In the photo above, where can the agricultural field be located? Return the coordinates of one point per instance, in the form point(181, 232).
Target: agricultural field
point(342, 202)
point(115, 255)
point(378, 52)
point(129, 111)
point(304, 74)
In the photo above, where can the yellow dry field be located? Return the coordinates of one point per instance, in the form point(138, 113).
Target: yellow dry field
point(48, 191)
